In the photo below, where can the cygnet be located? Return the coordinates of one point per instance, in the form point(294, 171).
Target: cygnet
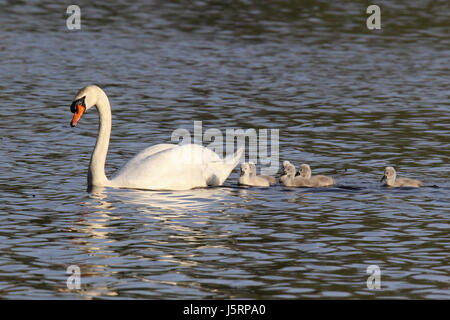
point(271, 180)
point(247, 179)
point(294, 181)
point(315, 181)
point(391, 181)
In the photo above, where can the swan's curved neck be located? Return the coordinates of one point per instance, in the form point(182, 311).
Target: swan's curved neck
point(96, 174)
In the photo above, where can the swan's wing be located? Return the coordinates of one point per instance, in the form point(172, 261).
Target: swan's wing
point(174, 168)
point(147, 152)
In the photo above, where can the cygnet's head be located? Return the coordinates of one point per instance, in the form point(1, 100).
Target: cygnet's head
point(286, 163)
point(305, 171)
point(252, 168)
point(389, 174)
point(290, 170)
point(245, 169)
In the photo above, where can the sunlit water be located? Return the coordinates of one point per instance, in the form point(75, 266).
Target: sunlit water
point(346, 100)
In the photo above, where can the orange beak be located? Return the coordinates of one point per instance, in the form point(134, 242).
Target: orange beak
point(77, 115)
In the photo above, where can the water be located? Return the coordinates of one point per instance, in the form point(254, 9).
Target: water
point(346, 100)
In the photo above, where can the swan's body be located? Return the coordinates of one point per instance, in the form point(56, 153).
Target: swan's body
point(291, 180)
point(160, 167)
point(271, 180)
point(248, 179)
point(391, 179)
point(315, 181)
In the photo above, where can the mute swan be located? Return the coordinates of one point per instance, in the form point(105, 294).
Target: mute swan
point(391, 181)
point(294, 181)
point(248, 179)
point(315, 181)
point(160, 167)
point(271, 180)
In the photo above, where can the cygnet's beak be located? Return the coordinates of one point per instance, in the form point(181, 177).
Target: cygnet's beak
point(382, 178)
point(242, 172)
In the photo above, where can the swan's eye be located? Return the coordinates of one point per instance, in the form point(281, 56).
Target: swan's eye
point(76, 103)
point(74, 107)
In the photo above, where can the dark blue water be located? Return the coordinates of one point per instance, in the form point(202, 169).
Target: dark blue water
point(346, 100)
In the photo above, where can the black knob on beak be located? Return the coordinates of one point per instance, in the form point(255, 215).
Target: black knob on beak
point(76, 103)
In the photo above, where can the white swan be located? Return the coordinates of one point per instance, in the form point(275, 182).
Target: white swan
point(160, 167)
point(391, 179)
point(315, 181)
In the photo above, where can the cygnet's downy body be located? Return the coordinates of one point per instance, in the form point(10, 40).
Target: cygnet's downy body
point(249, 180)
point(390, 177)
point(315, 181)
point(270, 179)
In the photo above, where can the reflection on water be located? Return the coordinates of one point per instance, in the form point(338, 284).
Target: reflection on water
point(346, 100)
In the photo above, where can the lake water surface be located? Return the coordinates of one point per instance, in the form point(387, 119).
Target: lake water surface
point(347, 100)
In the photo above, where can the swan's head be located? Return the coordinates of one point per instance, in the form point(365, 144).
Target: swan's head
point(245, 169)
point(305, 171)
point(84, 100)
point(389, 174)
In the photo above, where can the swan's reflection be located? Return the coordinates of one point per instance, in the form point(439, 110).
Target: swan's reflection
point(169, 207)
point(171, 202)
point(123, 225)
